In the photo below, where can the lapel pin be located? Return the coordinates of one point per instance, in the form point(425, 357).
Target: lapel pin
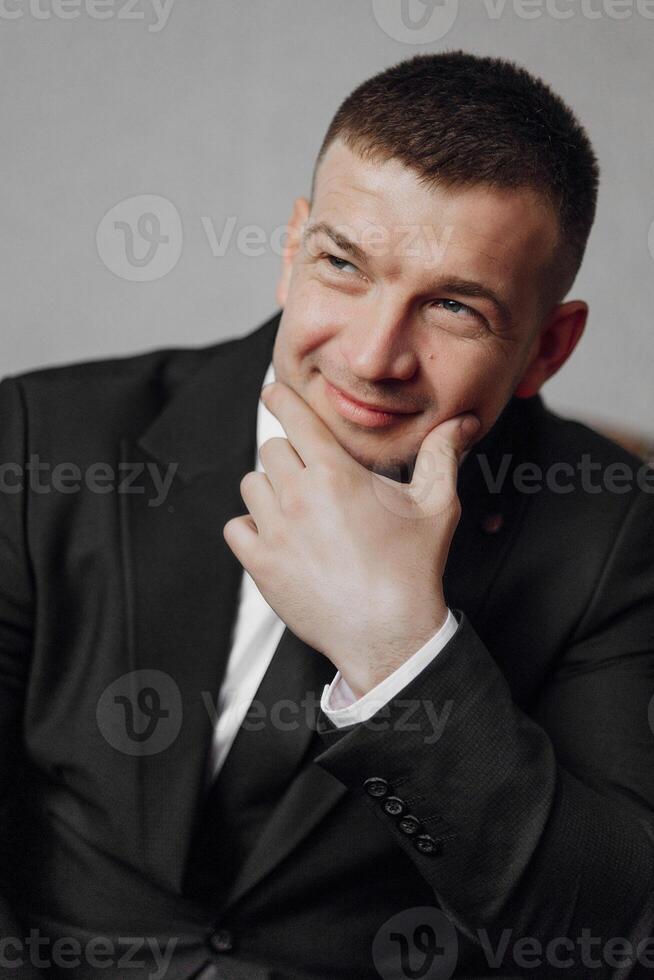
point(491, 523)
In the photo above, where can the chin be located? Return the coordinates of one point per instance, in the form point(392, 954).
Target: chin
point(395, 468)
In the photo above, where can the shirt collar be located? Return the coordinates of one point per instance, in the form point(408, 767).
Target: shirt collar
point(267, 424)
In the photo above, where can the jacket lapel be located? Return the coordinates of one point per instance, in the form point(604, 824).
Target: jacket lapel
point(310, 797)
point(492, 508)
point(183, 581)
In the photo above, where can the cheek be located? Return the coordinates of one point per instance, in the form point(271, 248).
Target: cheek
point(470, 380)
point(309, 320)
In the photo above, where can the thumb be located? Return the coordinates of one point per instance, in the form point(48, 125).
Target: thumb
point(439, 456)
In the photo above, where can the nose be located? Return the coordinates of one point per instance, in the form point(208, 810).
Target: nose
point(379, 346)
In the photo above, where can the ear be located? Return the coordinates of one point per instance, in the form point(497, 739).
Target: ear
point(294, 229)
point(557, 338)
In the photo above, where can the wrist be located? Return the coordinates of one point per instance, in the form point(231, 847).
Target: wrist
point(373, 662)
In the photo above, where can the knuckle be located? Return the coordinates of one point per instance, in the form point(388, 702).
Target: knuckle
point(270, 444)
point(455, 505)
point(232, 530)
point(292, 501)
point(446, 450)
point(248, 480)
point(229, 527)
point(273, 394)
point(451, 508)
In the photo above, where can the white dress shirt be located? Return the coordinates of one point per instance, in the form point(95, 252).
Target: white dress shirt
point(257, 632)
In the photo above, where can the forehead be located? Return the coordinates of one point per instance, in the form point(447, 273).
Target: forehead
point(503, 234)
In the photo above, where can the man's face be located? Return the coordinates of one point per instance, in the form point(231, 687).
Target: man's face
point(424, 302)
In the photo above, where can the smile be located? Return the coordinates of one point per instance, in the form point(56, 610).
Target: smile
point(363, 413)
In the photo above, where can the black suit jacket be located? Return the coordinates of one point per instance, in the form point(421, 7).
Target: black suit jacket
point(539, 792)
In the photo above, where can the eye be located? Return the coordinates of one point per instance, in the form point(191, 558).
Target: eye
point(458, 317)
point(453, 306)
point(339, 264)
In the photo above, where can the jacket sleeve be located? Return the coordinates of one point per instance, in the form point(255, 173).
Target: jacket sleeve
point(539, 823)
point(16, 616)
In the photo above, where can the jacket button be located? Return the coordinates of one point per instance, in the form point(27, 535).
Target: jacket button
point(376, 786)
point(409, 825)
point(394, 806)
point(221, 941)
point(426, 844)
point(492, 523)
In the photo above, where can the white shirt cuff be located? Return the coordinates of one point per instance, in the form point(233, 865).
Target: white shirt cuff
point(340, 704)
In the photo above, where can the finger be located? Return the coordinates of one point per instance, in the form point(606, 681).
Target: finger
point(241, 536)
point(279, 460)
point(437, 463)
point(259, 498)
point(307, 433)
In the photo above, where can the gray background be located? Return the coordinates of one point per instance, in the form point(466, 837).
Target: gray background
point(221, 109)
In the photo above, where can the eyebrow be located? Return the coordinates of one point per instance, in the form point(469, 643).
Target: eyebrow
point(342, 241)
point(463, 287)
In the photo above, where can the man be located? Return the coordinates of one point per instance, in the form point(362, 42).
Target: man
point(413, 740)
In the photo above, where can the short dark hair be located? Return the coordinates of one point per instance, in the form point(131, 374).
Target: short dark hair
point(460, 119)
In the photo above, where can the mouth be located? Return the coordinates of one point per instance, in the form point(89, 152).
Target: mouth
point(370, 415)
